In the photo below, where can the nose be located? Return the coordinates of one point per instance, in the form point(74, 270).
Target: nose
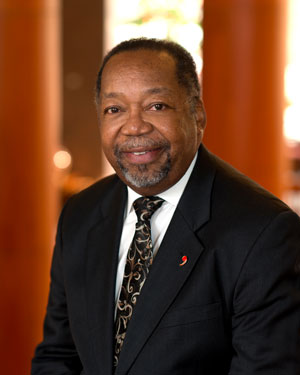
point(135, 124)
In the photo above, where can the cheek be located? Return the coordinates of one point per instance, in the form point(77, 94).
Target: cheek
point(106, 135)
point(107, 143)
point(171, 129)
point(180, 134)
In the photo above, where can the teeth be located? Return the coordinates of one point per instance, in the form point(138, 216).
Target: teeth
point(140, 153)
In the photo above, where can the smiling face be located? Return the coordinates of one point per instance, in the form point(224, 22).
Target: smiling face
point(148, 131)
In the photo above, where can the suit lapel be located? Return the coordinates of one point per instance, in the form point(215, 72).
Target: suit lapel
point(167, 277)
point(101, 265)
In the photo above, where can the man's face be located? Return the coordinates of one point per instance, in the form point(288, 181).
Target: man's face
point(149, 133)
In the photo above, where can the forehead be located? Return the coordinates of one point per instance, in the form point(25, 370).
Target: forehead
point(142, 67)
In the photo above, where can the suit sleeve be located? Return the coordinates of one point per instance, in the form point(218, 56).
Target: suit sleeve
point(56, 354)
point(266, 307)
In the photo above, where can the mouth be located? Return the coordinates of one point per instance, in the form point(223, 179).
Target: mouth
point(140, 153)
point(146, 151)
point(142, 156)
point(143, 162)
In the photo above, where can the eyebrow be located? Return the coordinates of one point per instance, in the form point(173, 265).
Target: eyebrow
point(154, 90)
point(111, 95)
point(158, 90)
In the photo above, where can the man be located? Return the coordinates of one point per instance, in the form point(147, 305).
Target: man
point(211, 280)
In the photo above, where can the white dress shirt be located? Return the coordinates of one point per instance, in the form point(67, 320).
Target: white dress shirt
point(160, 221)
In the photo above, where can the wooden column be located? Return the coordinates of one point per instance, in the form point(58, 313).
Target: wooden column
point(244, 53)
point(29, 116)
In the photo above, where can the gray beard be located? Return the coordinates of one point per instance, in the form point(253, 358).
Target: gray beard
point(140, 178)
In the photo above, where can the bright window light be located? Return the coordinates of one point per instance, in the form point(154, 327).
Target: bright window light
point(178, 20)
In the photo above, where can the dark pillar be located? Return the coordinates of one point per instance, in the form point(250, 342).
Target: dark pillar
point(82, 54)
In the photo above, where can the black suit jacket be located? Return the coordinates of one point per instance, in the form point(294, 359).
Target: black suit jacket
point(233, 308)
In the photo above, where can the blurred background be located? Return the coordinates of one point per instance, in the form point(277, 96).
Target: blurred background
point(248, 60)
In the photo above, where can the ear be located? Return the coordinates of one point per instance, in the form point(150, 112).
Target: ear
point(200, 116)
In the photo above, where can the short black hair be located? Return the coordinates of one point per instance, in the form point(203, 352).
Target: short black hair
point(185, 65)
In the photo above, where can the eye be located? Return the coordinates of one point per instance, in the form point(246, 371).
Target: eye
point(111, 110)
point(158, 107)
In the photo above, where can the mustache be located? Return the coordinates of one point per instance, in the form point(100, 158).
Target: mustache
point(140, 142)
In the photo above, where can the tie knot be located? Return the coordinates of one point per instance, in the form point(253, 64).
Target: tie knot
point(146, 206)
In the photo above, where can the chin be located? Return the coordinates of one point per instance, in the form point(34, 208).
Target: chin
point(144, 180)
point(144, 175)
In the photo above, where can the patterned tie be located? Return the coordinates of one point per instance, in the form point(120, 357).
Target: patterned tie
point(139, 260)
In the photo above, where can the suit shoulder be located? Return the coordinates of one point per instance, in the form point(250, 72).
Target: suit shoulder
point(242, 193)
point(96, 190)
point(90, 203)
point(241, 211)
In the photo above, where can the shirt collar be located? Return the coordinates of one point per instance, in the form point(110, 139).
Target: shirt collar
point(171, 195)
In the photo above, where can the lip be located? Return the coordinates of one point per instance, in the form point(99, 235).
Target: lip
point(141, 155)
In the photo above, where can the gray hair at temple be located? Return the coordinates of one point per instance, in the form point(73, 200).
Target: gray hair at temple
point(185, 66)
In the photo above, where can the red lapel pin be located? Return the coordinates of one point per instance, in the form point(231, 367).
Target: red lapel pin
point(184, 260)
